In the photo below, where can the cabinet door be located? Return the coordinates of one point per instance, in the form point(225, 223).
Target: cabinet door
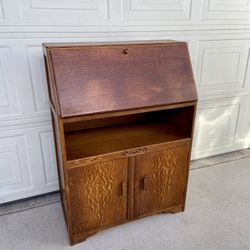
point(98, 195)
point(161, 179)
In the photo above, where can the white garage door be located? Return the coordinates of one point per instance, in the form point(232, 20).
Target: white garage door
point(218, 34)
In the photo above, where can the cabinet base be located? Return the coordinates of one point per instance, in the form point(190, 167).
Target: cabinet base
point(174, 210)
point(82, 237)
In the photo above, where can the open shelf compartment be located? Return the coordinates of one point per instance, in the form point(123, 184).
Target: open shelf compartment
point(101, 136)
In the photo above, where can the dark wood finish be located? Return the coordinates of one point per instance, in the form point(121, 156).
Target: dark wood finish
point(117, 114)
point(123, 118)
point(143, 77)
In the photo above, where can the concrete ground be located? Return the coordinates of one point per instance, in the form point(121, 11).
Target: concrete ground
point(217, 216)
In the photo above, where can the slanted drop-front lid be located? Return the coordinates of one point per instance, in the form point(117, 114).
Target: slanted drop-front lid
point(107, 78)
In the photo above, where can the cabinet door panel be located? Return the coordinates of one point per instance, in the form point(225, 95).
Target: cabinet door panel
point(98, 195)
point(161, 179)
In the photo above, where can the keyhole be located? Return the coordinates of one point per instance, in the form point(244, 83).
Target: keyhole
point(125, 51)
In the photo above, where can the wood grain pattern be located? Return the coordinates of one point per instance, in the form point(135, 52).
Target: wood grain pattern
point(131, 178)
point(120, 154)
point(144, 77)
point(123, 119)
point(96, 195)
point(162, 179)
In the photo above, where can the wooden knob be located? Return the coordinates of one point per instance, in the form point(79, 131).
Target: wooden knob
point(145, 183)
point(125, 51)
point(124, 189)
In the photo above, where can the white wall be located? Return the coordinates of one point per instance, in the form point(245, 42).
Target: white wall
point(218, 33)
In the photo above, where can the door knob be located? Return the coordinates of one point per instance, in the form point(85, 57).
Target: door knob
point(145, 183)
point(124, 188)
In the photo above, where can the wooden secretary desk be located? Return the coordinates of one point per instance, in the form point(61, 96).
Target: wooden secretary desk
point(123, 119)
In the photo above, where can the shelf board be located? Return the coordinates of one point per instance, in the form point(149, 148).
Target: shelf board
point(103, 140)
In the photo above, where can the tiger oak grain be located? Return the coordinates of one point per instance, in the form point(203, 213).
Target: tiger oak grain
point(123, 117)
